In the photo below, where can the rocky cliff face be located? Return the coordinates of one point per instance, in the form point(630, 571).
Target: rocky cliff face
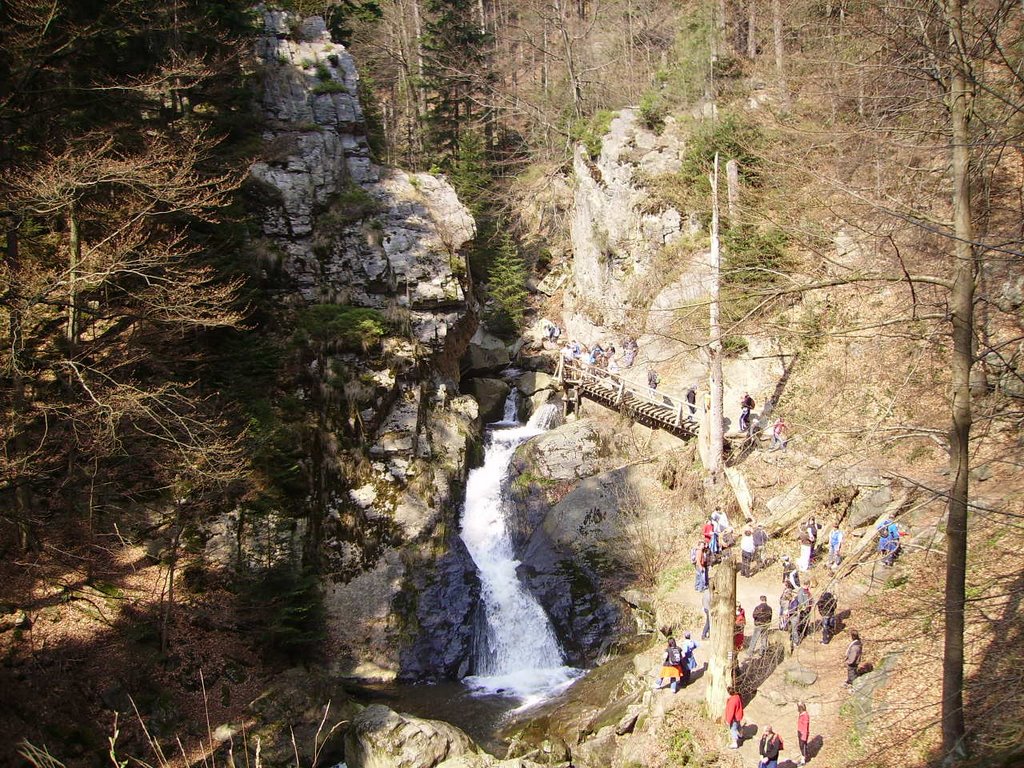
point(391, 437)
point(617, 230)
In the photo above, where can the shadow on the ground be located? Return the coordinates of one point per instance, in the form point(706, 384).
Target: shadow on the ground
point(756, 669)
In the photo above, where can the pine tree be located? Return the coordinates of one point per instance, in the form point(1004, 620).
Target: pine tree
point(455, 71)
point(507, 288)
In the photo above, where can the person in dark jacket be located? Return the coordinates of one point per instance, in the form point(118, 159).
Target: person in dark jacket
point(769, 748)
point(671, 666)
point(853, 653)
point(827, 609)
point(762, 615)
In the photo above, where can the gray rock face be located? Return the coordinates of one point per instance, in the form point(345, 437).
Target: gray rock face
point(447, 599)
point(382, 738)
point(562, 559)
point(871, 502)
point(343, 231)
point(485, 354)
point(490, 394)
point(614, 234)
point(570, 452)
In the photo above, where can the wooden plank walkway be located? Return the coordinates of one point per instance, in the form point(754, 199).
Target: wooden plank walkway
point(653, 408)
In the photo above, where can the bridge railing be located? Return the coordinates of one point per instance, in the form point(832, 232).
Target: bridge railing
point(667, 408)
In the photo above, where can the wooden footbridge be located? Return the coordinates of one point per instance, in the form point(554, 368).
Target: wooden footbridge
point(650, 407)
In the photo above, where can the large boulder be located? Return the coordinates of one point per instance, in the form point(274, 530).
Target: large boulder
point(485, 354)
point(576, 547)
point(571, 451)
point(491, 394)
point(379, 737)
point(871, 503)
point(532, 382)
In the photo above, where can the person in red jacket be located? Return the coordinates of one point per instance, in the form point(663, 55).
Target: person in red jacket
point(803, 731)
point(740, 625)
point(734, 717)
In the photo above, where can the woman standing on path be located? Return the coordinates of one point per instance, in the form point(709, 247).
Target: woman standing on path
point(803, 731)
point(734, 717)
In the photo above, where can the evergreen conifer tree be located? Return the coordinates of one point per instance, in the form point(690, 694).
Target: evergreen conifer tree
point(507, 288)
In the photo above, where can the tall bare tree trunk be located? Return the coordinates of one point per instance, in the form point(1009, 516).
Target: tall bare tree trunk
point(74, 265)
point(721, 651)
point(19, 445)
point(962, 315)
point(752, 28)
point(780, 71)
point(715, 385)
point(570, 61)
point(421, 92)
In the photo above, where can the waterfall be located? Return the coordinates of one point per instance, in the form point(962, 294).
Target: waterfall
point(517, 653)
point(511, 414)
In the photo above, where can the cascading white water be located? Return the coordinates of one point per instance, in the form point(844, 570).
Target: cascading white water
point(519, 655)
point(511, 415)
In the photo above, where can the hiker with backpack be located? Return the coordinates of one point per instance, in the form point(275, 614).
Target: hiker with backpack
point(790, 577)
point(671, 666)
point(799, 614)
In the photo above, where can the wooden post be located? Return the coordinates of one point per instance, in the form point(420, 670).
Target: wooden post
point(679, 416)
point(732, 180)
point(721, 652)
point(622, 389)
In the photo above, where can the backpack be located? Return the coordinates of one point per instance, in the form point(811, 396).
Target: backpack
point(675, 655)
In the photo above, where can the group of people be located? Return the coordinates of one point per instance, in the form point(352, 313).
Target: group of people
point(717, 535)
point(771, 744)
point(889, 535)
point(601, 357)
point(749, 423)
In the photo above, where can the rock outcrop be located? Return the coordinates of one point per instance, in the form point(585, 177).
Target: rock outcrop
point(382, 738)
point(361, 246)
point(564, 546)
